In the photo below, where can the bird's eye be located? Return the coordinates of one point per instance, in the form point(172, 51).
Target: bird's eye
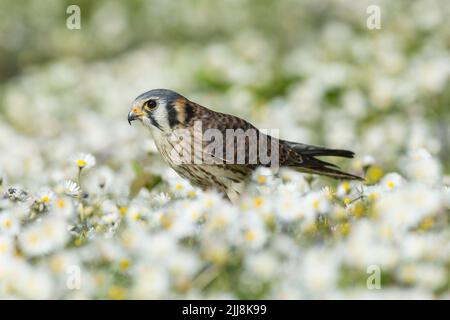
point(150, 104)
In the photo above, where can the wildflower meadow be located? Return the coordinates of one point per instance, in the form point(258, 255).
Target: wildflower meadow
point(88, 209)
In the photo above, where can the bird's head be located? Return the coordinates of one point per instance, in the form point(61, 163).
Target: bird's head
point(161, 109)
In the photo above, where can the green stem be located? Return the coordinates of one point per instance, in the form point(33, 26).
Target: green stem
point(79, 177)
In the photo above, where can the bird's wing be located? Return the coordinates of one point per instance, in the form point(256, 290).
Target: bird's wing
point(297, 155)
point(264, 148)
point(232, 148)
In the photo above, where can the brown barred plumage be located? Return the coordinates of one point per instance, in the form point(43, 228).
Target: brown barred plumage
point(173, 121)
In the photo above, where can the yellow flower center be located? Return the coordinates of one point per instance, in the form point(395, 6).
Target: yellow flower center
point(219, 222)
point(195, 215)
point(32, 238)
point(374, 173)
point(124, 264)
point(81, 163)
point(45, 199)
point(250, 235)
point(123, 211)
point(258, 202)
point(262, 179)
point(117, 293)
point(358, 210)
point(373, 196)
point(7, 223)
point(346, 187)
point(340, 213)
point(345, 228)
point(60, 203)
point(166, 221)
point(426, 223)
point(57, 264)
point(191, 194)
point(316, 204)
point(347, 200)
point(136, 216)
point(178, 186)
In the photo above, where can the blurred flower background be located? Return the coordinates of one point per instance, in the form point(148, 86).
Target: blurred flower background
point(89, 210)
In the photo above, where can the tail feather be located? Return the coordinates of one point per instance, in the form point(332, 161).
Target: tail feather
point(306, 149)
point(310, 164)
point(329, 172)
point(313, 165)
point(321, 163)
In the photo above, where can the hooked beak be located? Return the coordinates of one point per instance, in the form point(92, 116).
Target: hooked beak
point(134, 114)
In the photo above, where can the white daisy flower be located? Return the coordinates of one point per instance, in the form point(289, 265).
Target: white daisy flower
point(319, 270)
point(9, 224)
point(84, 160)
point(422, 167)
point(161, 198)
point(6, 245)
point(71, 188)
point(46, 196)
point(368, 160)
point(44, 236)
point(391, 181)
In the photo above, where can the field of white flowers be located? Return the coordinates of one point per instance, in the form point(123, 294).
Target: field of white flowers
point(88, 209)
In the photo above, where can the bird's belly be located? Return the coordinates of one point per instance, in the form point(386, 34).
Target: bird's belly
point(185, 170)
point(226, 178)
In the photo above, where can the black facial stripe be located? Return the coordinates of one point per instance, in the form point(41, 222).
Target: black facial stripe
point(172, 115)
point(153, 121)
point(189, 112)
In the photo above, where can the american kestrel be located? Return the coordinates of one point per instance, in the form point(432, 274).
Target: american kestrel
point(219, 150)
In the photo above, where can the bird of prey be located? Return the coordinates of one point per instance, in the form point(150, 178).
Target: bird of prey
point(218, 150)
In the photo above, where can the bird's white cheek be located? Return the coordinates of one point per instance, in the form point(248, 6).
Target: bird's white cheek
point(156, 132)
point(146, 121)
point(160, 116)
